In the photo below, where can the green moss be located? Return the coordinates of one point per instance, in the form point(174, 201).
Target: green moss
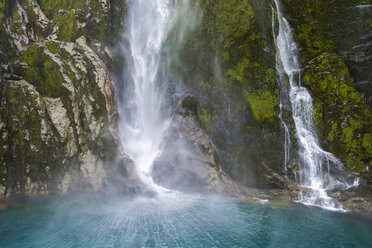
point(331, 133)
point(264, 105)
point(116, 20)
point(206, 118)
point(318, 116)
point(46, 76)
point(51, 7)
point(231, 29)
point(340, 114)
point(311, 23)
point(44, 73)
point(315, 44)
point(355, 165)
point(98, 28)
point(72, 77)
point(26, 154)
point(320, 26)
point(237, 73)
point(367, 143)
point(99, 106)
point(16, 27)
point(349, 138)
point(16, 16)
point(53, 47)
point(229, 64)
point(104, 26)
point(31, 13)
point(68, 27)
point(2, 15)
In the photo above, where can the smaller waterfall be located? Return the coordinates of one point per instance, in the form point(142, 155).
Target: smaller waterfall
point(314, 164)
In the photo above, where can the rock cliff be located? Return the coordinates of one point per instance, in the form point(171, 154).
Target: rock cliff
point(57, 101)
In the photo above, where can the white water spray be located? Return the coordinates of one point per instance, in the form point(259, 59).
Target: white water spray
point(144, 117)
point(314, 163)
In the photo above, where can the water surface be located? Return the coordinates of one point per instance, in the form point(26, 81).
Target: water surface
point(176, 221)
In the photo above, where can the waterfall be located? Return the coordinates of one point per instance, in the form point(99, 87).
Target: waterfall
point(314, 164)
point(143, 113)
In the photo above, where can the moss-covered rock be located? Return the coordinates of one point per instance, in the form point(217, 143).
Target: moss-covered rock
point(100, 20)
point(52, 7)
point(28, 159)
point(342, 117)
point(56, 101)
point(337, 26)
point(232, 60)
point(43, 72)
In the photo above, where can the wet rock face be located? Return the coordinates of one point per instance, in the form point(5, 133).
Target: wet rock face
point(338, 26)
point(190, 162)
point(229, 63)
point(356, 200)
point(343, 119)
point(57, 103)
point(355, 45)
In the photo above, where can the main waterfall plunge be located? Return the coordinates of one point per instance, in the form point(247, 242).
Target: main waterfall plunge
point(144, 115)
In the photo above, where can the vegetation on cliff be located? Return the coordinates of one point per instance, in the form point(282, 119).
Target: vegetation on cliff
point(232, 59)
point(335, 75)
point(55, 56)
point(342, 118)
point(56, 96)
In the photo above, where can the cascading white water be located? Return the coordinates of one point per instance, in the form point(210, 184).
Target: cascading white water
point(314, 163)
point(144, 117)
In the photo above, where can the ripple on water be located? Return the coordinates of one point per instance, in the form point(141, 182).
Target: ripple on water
point(177, 221)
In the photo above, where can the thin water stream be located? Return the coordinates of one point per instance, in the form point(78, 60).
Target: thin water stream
point(314, 164)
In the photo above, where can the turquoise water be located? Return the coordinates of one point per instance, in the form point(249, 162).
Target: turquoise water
point(176, 221)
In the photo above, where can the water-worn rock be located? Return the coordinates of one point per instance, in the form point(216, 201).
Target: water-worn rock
point(355, 200)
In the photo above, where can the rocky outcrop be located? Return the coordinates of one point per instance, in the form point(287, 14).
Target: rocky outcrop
point(57, 102)
point(356, 201)
point(189, 161)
